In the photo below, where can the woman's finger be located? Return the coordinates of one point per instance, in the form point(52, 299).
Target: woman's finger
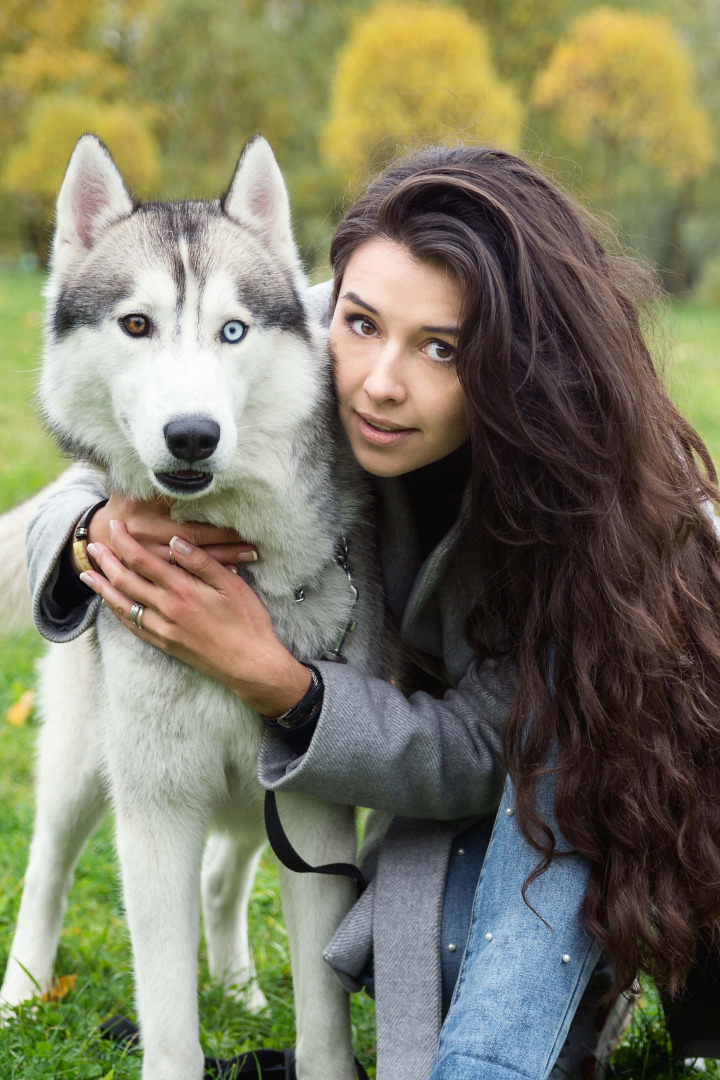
point(151, 622)
point(124, 580)
point(227, 554)
point(202, 565)
point(138, 559)
point(231, 554)
point(201, 535)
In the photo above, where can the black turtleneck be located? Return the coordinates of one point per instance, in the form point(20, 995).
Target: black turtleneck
point(435, 493)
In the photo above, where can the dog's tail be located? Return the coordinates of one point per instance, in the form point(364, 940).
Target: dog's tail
point(15, 606)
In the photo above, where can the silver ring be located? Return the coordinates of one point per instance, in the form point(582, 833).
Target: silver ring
point(136, 613)
point(173, 560)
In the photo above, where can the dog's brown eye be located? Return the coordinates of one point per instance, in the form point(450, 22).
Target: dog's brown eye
point(136, 325)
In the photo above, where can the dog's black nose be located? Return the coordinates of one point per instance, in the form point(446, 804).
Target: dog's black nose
point(192, 438)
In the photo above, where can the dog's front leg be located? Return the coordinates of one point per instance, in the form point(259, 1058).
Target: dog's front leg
point(160, 855)
point(313, 906)
point(71, 798)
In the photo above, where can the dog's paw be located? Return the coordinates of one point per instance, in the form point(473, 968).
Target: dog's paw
point(12, 1008)
point(250, 996)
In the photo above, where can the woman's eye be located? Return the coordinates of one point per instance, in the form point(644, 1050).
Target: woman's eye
point(135, 325)
point(440, 351)
point(362, 326)
point(233, 331)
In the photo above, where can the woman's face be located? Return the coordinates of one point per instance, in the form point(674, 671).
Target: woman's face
point(393, 339)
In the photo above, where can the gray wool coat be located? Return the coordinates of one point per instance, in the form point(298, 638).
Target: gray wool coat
point(426, 766)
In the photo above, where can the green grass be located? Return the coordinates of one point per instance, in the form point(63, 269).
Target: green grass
point(61, 1040)
point(28, 458)
point(693, 368)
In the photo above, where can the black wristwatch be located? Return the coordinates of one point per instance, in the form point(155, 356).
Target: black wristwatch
point(308, 708)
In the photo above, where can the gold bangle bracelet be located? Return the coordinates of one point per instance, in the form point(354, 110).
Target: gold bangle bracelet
point(81, 537)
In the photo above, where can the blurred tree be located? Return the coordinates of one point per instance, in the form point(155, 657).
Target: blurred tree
point(219, 72)
point(523, 33)
point(624, 82)
point(413, 73)
point(34, 169)
point(49, 49)
point(78, 46)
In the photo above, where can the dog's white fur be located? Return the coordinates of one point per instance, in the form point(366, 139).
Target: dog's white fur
point(173, 751)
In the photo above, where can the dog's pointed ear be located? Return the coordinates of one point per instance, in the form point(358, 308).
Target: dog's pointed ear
point(92, 196)
point(258, 197)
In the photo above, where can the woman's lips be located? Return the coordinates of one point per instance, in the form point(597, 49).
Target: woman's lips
point(382, 438)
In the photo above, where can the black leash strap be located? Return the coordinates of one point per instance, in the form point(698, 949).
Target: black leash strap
point(289, 857)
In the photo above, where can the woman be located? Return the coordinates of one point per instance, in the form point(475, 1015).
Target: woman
point(553, 568)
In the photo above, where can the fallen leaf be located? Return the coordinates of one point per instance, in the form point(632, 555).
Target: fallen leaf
point(18, 713)
point(61, 987)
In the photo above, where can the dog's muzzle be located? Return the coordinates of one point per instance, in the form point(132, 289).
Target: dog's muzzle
point(190, 439)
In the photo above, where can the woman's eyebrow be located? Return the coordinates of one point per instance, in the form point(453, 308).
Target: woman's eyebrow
point(451, 331)
point(355, 299)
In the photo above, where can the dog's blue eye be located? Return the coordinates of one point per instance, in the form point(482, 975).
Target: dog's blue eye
point(233, 331)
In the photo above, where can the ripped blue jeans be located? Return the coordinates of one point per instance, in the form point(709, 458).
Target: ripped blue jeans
point(519, 981)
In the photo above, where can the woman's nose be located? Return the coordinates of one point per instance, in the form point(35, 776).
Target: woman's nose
point(385, 380)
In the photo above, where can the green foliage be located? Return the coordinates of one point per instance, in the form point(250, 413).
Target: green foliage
point(414, 73)
point(522, 33)
point(200, 76)
point(623, 81)
point(261, 67)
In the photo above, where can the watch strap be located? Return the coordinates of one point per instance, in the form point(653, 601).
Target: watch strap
point(308, 708)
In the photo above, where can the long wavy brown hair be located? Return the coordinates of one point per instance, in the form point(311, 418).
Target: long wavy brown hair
point(597, 553)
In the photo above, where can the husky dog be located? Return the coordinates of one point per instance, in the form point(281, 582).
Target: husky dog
point(235, 367)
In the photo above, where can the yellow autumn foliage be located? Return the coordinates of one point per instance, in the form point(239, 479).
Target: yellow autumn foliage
point(63, 45)
point(37, 165)
point(413, 73)
point(623, 79)
point(42, 66)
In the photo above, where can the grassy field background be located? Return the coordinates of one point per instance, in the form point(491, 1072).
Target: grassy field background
point(60, 1039)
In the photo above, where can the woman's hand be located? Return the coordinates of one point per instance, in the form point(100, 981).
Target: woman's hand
point(200, 612)
point(151, 525)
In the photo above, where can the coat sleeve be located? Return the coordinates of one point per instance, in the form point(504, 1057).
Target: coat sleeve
point(420, 756)
point(61, 613)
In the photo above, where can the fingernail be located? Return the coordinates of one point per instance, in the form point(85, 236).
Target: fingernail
point(92, 550)
point(85, 578)
point(180, 546)
point(232, 569)
point(247, 556)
